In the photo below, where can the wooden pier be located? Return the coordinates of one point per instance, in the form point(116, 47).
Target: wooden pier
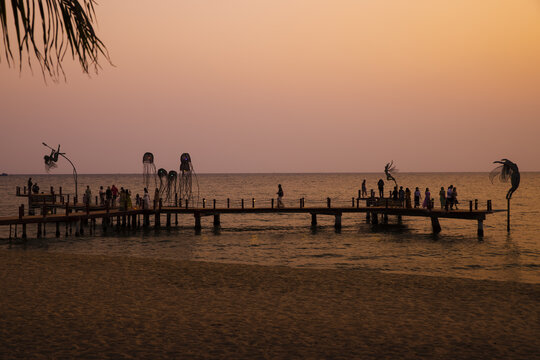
point(76, 218)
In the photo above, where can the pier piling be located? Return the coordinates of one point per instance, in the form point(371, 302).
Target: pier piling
point(198, 226)
point(337, 223)
point(480, 228)
point(435, 225)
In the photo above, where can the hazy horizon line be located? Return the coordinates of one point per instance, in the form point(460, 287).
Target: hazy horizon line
point(283, 173)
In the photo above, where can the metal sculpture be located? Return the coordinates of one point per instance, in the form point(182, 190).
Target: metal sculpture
point(52, 159)
point(149, 169)
point(388, 169)
point(171, 186)
point(186, 178)
point(507, 171)
point(162, 175)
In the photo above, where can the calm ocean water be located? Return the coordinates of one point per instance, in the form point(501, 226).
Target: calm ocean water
point(283, 239)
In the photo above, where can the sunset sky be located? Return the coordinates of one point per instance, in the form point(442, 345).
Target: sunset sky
point(289, 86)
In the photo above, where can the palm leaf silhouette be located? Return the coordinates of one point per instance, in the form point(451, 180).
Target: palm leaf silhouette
point(66, 26)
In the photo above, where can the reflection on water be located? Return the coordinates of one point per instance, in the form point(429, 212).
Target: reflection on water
point(290, 240)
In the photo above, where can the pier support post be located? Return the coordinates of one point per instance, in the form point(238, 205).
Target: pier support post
point(399, 219)
point(57, 229)
point(39, 230)
point(217, 220)
point(168, 220)
point(385, 218)
point(480, 228)
point(197, 221)
point(374, 218)
point(157, 220)
point(367, 217)
point(24, 231)
point(146, 220)
point(337, 224)
point(435, 225)
point(313, 219)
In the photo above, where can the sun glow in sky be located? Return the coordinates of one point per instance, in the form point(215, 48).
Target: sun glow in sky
point(290, 86)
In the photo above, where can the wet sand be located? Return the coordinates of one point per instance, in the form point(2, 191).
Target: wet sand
point(75, 306)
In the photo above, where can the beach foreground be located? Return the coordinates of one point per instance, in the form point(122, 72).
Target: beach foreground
point(61, 305)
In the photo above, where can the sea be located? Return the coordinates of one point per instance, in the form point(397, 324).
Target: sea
point(409, 247)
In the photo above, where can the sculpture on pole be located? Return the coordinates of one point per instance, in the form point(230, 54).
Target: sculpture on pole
point(52, 159)
point(388, 169)
point(507, 171)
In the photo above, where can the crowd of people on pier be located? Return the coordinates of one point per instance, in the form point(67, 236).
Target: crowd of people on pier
point(112, 197)
point(448, 198)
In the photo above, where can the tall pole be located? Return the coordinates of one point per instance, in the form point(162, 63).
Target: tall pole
point(508, 216)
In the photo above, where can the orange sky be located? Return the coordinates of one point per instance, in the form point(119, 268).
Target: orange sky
point(290, 86)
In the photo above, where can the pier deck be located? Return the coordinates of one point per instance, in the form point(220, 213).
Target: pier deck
point(79, 217)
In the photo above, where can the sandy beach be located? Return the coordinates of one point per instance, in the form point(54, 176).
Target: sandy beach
point(75, 306)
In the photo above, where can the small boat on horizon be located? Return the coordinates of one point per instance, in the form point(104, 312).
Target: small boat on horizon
point(3, 174)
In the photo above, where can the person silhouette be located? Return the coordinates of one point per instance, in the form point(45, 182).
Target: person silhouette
point(380, 184)
point(280, 197)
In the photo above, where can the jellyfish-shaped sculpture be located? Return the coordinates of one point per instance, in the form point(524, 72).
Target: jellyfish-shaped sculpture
point(149, 169)
point(171, 186)
point(388, 170)
point(162, 175)
point(186, 178)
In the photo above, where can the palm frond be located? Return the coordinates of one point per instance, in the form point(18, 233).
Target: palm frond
point(66, 25)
